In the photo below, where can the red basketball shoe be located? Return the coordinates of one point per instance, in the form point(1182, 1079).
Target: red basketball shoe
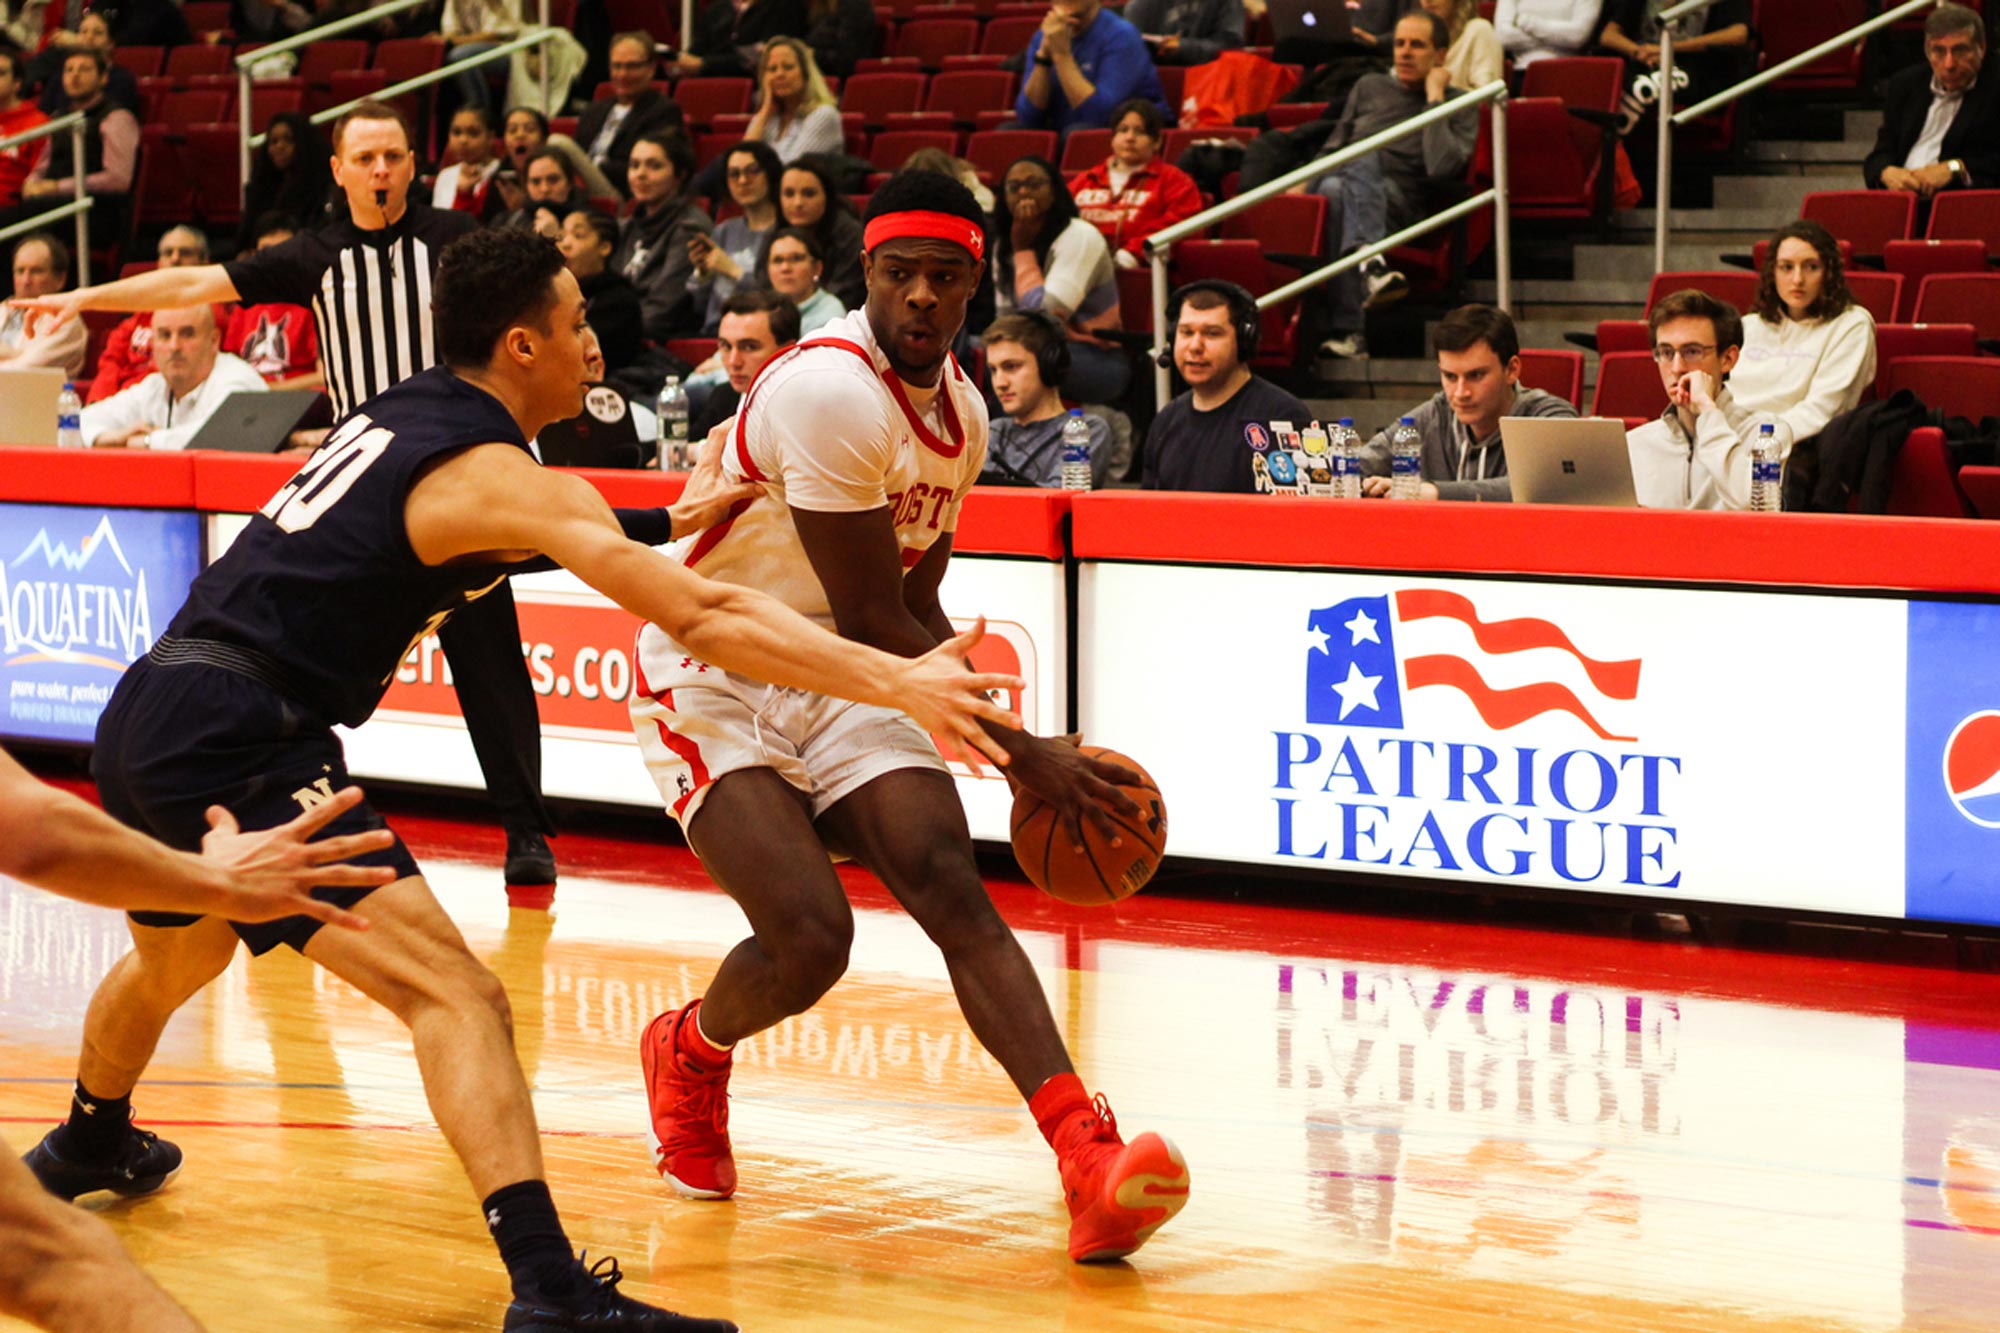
point(1119, 1193)
point(687, 1092)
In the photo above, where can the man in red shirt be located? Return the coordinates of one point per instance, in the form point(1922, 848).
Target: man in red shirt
point(1132, 194)
point(16, 117)
point(127, 357)
point(277, 339)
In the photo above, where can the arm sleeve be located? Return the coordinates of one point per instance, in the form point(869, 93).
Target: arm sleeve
point(1177, 199)
point(285, 274)
point(62, 349)
point(120, 133)
point(118, 412)
point(1491, 489)
point(820, 133)
point(1570, 32)
point(1484, 60)
point(1722, 454)
point(1227, 35)
point(1845, 371)
point(1374, 456)
point(1031, 116)
point(1121, 74)
point(1072, 259)
point(831, 442)
point(1448, 144)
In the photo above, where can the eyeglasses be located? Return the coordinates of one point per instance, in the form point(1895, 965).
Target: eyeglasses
point(744, 173)
point(1031, 185)
point(1687, 353)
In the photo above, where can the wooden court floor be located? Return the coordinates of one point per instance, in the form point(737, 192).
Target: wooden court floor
point(1390, 1124)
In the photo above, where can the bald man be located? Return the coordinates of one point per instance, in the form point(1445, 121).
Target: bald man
point(191, 376)
point(127, 355)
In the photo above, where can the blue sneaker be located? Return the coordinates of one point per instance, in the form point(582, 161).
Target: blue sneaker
point(143, 1163)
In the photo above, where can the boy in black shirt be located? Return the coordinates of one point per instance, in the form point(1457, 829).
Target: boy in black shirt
point(1201, 440)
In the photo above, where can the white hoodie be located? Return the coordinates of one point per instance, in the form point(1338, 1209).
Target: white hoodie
point(1533, 30)
point(1805, 372)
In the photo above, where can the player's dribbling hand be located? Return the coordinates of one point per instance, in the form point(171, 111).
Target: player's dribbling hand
point(950, 701)
point(1078, 786)
point(272, 872)
point(709, 495)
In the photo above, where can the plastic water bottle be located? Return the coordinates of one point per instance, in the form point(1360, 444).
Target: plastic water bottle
point(672, 409)
point(1764, 471)
point(1405, 455)
point(1347, 460)
point(1076, 452)
point(69, 419)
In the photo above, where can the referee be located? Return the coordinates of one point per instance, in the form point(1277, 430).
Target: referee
point(368, 280)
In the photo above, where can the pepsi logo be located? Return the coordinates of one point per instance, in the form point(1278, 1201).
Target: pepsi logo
point(1972, 768)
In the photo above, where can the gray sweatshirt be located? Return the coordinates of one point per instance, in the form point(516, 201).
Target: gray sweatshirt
point(1441, 152)
point(1461, 467)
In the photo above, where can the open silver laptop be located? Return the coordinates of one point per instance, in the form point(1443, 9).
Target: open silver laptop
point(28, 406)
point(1568, 461)
point(1311, 20)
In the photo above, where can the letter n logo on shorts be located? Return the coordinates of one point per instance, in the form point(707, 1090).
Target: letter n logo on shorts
point(319, 793)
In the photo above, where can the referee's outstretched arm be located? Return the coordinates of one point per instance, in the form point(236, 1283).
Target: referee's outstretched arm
point(162, 289)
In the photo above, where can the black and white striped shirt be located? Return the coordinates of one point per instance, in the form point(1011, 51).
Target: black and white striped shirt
point(369, 293)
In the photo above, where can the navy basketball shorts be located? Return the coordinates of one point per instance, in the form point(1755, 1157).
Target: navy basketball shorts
point(177, 739)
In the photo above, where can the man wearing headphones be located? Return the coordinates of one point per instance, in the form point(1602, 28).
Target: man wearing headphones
point(1204, 439)
point(1027, 354)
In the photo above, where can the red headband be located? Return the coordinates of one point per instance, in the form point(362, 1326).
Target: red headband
point(931, 226)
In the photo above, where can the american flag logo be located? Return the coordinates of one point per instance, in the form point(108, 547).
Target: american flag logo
point(1353, 677)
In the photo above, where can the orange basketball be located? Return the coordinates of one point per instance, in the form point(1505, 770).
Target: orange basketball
point(1100, 873)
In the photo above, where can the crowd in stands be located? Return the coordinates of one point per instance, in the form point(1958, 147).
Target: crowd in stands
point(707, 240)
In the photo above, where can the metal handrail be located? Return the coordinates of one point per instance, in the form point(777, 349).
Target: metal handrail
point(79, 207)
point(1668, 117)
point(311, 35)
point(505, 50)
point(1159, 245)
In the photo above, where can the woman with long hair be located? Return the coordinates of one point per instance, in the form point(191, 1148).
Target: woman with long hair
point(1132, 193)
point(735, 252)
point(289, 174)
point(796, 114)
point(1475, 56)
point(1808, 347)
point(809, 198)
point(655, 246)
point(588, 240)
point(1047, 258)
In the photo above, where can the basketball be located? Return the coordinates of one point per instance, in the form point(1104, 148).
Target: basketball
point(1101, 873)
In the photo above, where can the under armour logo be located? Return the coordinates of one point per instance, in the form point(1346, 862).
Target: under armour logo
point(1569, 467)
point(492, 1219)
point(88, 1108)
point(688, 663)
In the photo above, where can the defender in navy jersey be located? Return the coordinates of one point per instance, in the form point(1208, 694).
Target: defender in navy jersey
point(419, 502)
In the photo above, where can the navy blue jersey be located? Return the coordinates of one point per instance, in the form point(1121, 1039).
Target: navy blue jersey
point(323, 585)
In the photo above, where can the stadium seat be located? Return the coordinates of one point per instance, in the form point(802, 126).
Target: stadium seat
point(888, 65)
point(1244, 263)
point(993, 151)
point(1285, 224)
point(654, 16)
point(206, 16)
point(930, 40)
point(976, 61)
point(1731, 285)
point(1135, 299)
point(1917, 260)
point(964, 93)
point(1556, 372)
point(1173, 82)
point(1967, 215)
point(937, 122)
point(1587, 83)
point(197, 58)
point(209, 160)
point(1981, 488)
point(1869, 218)
point(406, 57)
point(891, 148)
point(1893, 342)
point(1789, 27)
point(1961, 298)
point(694, 351)
point(1882, 295)
point(1009, 34)
point(1554, 161)
point(1628, 386)
point(1961, 386)
point(142, 62)
point(1179, 141)
point(270, 96)
point(1759, 250)
point(193, 106)
point(874, 96)
point(1623, 335)
point(701, 100)
point(1921, 483)
point(1084, 149)
point(165, 196)
point(1291, 115)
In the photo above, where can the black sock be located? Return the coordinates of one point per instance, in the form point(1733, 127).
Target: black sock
point(524, 1224)
point(96, 1125)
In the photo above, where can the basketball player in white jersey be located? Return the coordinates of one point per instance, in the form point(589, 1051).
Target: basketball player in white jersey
point(867, 437)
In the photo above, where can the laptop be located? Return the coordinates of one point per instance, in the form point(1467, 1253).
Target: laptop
point(604, 434)
point(1568, 461)
point(249, 422)
point(28, 405)
point(1314, 21)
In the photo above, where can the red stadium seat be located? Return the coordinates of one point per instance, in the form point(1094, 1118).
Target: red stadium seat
point(165, 196)
point(963, 94)
point(1009, 35)
point(1731, 285)
point(1588, 83)
point(1786, 28)
point(930, 40)
point(1173, 83)
point(1961, 298)
point(1084, 149)
point(1628, 386)
point(406, 57)
point(654, 16)
point(1917, 260)
point(1244, 263)
point(1623, 335)
point(995, 150)
point(1961, 386)
point(1291, 115)
point(1556, 372)
point(1178, 141)
point(891, 148)
point(1759, 250)
point(206, 16)
point(1921, 484)
point(1967, 214)
point(1882, 295)
point(193, 106)
point(142, 62)
point(1981, 488)
point(1286, 224)
point(1869, 218)
point(888, 65)
point(1893, 342)
point(1553, 160)
point(701, 100)
point(694, 351)
point(197, 58)
point(875, 96)
point(209, 159)
point(937, 122)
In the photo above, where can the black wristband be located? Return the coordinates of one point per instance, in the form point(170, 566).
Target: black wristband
point(1044, 59)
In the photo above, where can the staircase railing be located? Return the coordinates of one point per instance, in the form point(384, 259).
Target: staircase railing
point(1159, 246)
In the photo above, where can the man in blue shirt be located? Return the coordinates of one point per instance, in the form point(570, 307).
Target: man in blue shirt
point(1081, 64)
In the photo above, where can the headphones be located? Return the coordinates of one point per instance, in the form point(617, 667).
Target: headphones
point(1243, 316)
point(1052, 358)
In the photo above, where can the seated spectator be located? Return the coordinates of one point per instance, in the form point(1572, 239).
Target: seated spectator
point(654, 248)
point(41, 267)
point(1532, 30)
point(1187, 32)
point(127, 357)
point(278, 340)
point(110, 154)
point(1940, 120)
point(93, 33)
point(793, 263)
point(1049, 259)
point(551, 195)
point(1132, 194)
point(960, 170)
point(796, 113)
point(840, 33)
point(465, 185)
point(809, 198)
point(471, 28)
point(756, 326)
point(290, 173)
point(610, 302)
point(1082, 63)
point(1712, 46)
point(191, 377)
point(1201, 441)
point(1388, 190)
point(1026, 355)
point(727, 34)
point(609, 127)
point(1809, 347)
point(1697, 455)
point(17, 116)
point(1479, 364)
point(736, 247)
point(525, 132)
point(1473, 54)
